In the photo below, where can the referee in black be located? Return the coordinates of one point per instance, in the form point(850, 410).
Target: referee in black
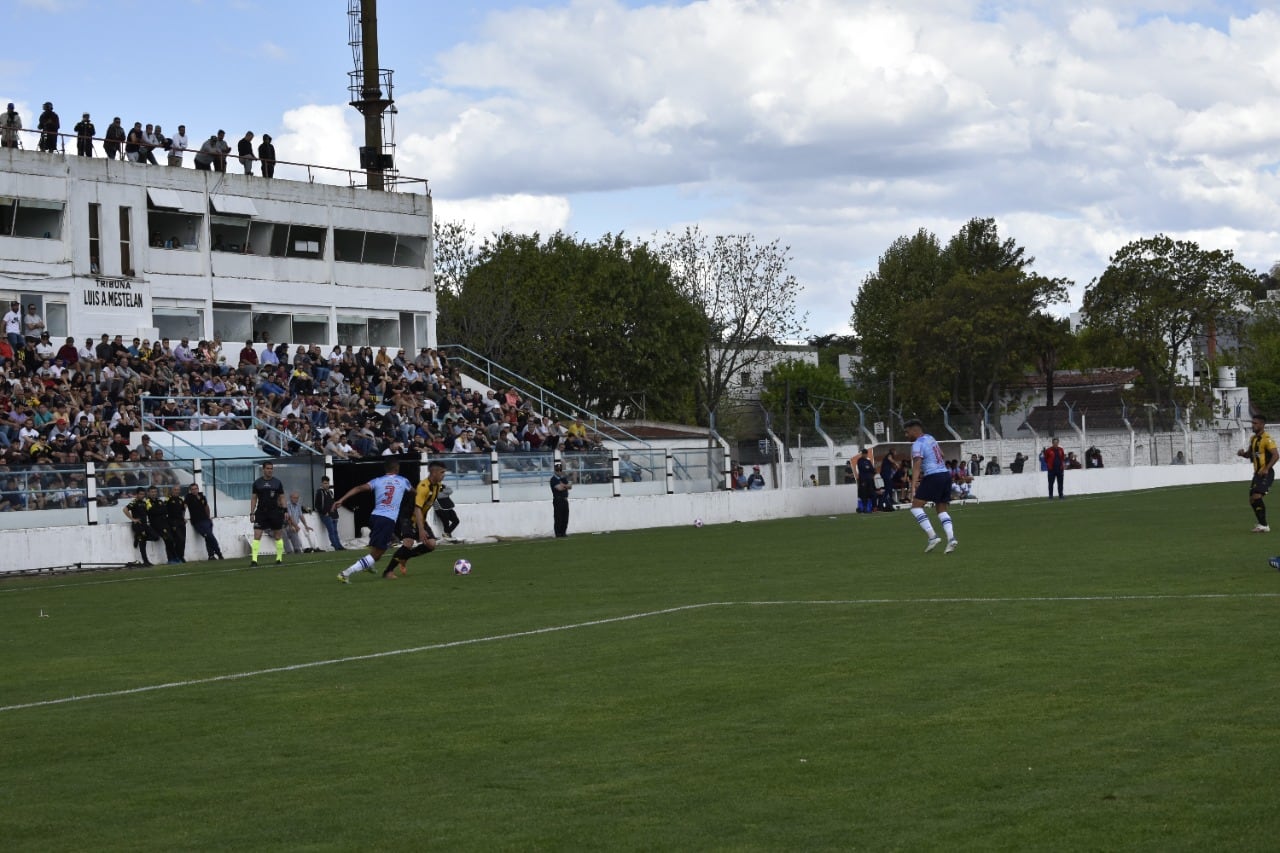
point(266, 511)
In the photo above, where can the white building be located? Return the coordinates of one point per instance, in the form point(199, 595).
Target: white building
point(110, 246)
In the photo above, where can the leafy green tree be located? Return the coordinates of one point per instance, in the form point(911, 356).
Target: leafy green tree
point(747, 297)
point(600, 323)
point(1156, 295)
point(453, 255)
point(1259, 359)
point(811, 386)
point(977, 248)
point(953, 324)
point(908, 273)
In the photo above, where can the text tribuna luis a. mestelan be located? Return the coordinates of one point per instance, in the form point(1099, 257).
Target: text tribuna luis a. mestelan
point(113, 293)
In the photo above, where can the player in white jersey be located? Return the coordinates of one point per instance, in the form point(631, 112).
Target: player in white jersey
point(930, 483)
point(388, 490)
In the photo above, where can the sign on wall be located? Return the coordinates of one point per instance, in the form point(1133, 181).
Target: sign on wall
point(114, 305)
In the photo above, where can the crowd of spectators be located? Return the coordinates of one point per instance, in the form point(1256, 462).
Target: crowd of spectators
point(140, 144)
point(66, 403)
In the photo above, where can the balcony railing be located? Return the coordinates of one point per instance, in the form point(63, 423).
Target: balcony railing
point(66, 144)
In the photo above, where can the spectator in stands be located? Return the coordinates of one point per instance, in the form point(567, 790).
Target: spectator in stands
point(10, 124)
point(1016, 466)
point(576, 437)
point(85, 132)
point(267, 156)
point(223, 148)
point(13, 326)
point(1073, 464)
point(244, 152)
point(993, 467)
point(49, 125)
point(755, 481)
point(115, 135)
point(44, 347)
point(1093, 458)
point(208, 154)
point(32, 324)
point(150, 142)
point(177, 146)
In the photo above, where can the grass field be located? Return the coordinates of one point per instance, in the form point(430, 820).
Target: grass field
point(1101, 673)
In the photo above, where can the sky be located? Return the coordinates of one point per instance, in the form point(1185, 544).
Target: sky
point(833, 127)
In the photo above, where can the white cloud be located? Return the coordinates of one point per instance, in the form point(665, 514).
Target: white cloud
point(273, 51)
point(521, 214)
point(839, 126)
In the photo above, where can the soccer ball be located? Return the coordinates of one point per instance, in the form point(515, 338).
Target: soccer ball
point(462, 567)
point(697, 522)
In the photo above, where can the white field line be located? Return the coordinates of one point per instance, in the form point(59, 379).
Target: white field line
point(627, 618)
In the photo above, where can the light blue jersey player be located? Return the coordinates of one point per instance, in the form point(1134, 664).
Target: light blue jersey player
point(930, 483)
point(388, 491)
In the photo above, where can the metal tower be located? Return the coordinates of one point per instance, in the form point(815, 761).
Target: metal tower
point(370, 88)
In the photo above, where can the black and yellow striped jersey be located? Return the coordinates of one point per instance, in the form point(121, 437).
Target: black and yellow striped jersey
point(1262, 449)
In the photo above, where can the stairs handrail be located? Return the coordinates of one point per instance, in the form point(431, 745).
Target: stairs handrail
point(561, 406)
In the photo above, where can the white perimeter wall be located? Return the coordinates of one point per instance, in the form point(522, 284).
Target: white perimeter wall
point(34, 548)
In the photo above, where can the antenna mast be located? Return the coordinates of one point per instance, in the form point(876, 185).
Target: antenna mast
point(371, 88)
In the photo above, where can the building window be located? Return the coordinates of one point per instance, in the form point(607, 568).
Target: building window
point(421, 323)
point(232, 322)
point(375, 247)
point(384, 332)
point(95, 230)
point(282, 240)
point(310, 329)
point(171, 229)
point(353, 331)
point(126, 251)
point(272, 326)
point(178, 323)
point(55, 319)
point(29, 217)
point(229, 233)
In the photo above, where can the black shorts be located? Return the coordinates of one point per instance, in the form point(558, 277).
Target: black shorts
point(1261, 483)
point(268, 520)
point(408, 530)
point(934, 488)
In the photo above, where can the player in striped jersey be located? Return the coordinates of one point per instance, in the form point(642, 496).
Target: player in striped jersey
point(419, 538)
point(1262, 452)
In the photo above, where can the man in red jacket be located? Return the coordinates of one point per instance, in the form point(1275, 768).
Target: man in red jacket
point(1055, 460)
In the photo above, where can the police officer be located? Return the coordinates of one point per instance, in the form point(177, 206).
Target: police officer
point(560, 487)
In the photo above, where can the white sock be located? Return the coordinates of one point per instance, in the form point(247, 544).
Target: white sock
point(945, 518)
point(358, 566)
point(923, 520)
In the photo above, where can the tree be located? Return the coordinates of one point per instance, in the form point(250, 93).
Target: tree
point(747, 298)
point(601, 324)
point(1051, 343)
point(951, 324)
point(453, 253)
point(908, 273)
point(1156, 295)
point(811, 386)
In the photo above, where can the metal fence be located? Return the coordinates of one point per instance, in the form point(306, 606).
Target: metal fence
point(46, 495)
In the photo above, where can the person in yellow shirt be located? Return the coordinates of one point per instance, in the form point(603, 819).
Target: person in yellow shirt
point(414, 529)
point(1262, 452)
point(577, 436)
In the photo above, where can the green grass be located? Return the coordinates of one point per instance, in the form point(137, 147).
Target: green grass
point(1101, 673)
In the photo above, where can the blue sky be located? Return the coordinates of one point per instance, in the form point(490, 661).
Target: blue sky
point(831, 125)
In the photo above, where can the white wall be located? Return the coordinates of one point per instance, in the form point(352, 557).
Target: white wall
point(33, 548)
